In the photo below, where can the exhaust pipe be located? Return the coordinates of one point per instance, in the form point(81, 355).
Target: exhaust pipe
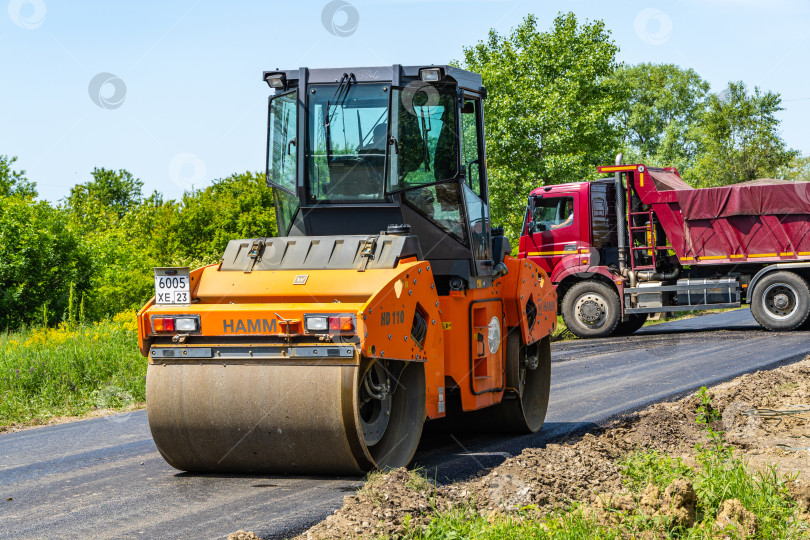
point(650, 275)
point(621, 226)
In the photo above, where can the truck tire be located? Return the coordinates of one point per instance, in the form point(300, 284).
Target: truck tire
point(629, 326)
point(781, 301)
point(591, 309)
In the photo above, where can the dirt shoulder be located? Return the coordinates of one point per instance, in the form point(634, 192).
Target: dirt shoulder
point(54, 420)
point(764, 417)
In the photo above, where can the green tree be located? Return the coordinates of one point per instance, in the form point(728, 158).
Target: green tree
point(14, 183)
point(240, 206)
point(551, 100)
point(106, 198)
point(661, 114)
point(798, 169)
point(40, 257)
point(739, 138)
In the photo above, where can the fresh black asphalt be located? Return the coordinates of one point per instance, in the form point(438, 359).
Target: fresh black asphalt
point(103, 477)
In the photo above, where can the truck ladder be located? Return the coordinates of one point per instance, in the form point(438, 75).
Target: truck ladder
point(647, 243)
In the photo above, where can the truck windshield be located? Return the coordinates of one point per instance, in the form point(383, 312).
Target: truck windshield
point(347, 139)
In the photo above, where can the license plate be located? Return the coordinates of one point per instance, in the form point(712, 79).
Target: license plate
point(172, 286)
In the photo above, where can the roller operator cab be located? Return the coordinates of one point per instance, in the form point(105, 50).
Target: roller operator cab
point(643, 241)
point(387, 298)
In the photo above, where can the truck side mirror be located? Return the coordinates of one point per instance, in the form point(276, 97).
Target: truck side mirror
point(530, 226)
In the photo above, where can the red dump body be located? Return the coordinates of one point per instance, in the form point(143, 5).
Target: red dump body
point(761, 221)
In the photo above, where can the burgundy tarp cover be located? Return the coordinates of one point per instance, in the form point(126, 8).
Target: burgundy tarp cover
point(762, 219)
point(755, 198)
point(667, 180)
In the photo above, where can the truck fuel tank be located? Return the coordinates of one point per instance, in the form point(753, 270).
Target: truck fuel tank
point(708, 291)
point(652, 299)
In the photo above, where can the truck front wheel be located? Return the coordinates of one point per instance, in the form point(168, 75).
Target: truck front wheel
point(633, 323)
point(781, 301)
point(591, 309)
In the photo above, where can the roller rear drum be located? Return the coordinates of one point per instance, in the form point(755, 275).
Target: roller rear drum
point(273, 418)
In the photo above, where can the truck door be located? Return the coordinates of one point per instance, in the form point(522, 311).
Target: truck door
point(554, 229)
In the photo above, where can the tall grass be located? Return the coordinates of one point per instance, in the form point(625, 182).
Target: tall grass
point(70, 370)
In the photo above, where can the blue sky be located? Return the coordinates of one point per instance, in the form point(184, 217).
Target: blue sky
point(183, 102)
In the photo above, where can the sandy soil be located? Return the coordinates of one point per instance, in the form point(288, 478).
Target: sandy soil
point(763, 415)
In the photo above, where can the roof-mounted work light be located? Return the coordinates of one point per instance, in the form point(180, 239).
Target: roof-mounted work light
point(432, 74)
point(276, 80)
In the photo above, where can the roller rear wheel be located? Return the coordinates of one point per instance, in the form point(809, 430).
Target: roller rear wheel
point(525, 402)
point(405, 413)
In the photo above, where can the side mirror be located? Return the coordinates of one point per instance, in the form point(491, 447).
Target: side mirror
point(531, 226)
point(500, 270)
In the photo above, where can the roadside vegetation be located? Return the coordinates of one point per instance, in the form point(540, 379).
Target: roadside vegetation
point(69, 370)
point(559, 103)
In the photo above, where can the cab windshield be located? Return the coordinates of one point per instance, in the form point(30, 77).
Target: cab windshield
point(347, 139)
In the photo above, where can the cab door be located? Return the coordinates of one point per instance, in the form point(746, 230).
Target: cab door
point(474, 186)
point(555, 228)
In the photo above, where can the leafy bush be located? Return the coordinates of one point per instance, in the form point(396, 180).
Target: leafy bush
point(41, 260)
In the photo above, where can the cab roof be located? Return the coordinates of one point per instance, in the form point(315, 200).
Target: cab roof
point(568, 187)
point(395, 74)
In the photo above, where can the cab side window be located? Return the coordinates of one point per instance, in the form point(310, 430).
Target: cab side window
point(552, 213)
point(469, 144)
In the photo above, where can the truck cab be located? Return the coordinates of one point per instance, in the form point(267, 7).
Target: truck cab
point(568, 227)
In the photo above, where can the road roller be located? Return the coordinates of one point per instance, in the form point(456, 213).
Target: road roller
point(386, 299)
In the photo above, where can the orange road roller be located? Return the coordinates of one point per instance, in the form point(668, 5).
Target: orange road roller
point(386, 298)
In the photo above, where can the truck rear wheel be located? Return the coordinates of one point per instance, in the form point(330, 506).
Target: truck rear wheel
point(629, 326)
point(591, 309)
point(781, 301)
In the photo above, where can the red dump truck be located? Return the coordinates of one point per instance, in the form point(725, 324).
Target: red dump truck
point(644, 241)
